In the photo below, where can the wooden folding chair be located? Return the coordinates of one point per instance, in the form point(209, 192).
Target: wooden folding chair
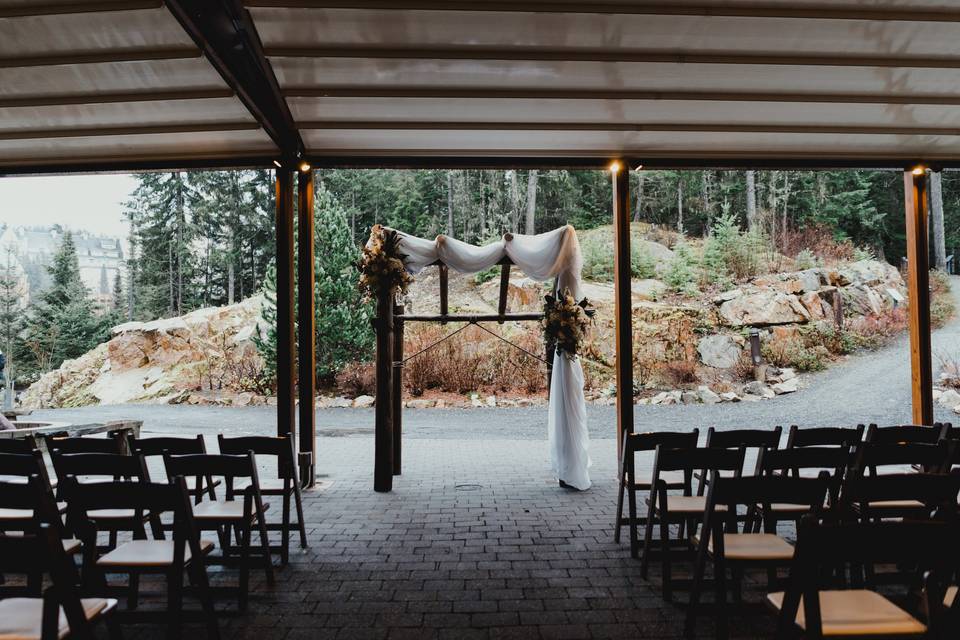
point(157, 447)
point(286, 485)
point(634, 443)
point(59, 613)
point(686, 509)
point(798, 462)
point(240, 513)
point(799, 437)
point(171, 558)
point(906, 433)
point(722, 542)
point(816, 612)
point(17, 469)
point(747, 439)
point(18, 445)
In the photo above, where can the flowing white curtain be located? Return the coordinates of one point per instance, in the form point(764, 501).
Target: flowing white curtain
point(555, 254)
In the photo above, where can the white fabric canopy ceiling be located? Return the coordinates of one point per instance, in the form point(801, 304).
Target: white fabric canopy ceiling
point(791, 80)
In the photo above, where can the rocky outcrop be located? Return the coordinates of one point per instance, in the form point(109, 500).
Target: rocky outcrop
point(160, 361)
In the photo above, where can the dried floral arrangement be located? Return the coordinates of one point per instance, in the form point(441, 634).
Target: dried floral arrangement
point(566, 322)
point(381, 265)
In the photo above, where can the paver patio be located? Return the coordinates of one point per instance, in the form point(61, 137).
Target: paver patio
point(476, 541)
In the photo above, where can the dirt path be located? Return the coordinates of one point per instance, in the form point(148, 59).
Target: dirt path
point(871, 387)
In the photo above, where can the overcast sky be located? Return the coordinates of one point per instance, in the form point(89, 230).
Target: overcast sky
point(90, 202)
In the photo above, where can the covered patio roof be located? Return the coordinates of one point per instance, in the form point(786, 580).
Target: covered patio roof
point(141, 83)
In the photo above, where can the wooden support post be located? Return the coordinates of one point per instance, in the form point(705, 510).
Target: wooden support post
point(286, 356)
point(306, 330)
point(397, 397)
point(918, 287)
point(623, 298)
point(504, 289)
point(383, 429)
point(444, 291)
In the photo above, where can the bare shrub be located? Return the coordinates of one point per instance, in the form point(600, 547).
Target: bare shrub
point(819, 240)
point(679, 372)
point(792, 352)
point(357, 379)
point(873, 331)
point(743, 369)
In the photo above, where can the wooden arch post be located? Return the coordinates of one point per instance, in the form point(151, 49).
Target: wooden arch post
point(286, 355)
point(623, 297)
point(383, 429)
point(918, 287)
point(306, 329)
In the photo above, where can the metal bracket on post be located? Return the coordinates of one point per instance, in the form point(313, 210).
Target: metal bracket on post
point(308, 471)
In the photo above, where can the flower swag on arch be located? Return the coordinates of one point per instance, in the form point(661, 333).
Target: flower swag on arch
point(555, 254)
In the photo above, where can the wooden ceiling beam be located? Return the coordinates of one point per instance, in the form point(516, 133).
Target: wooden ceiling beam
point(224, 31)
point(31, 10)
point(615, 94)
point(584, 54)
point(127, 130)
point(98, 57)
point(54, 100)
point(393, 125)
point(700, 9)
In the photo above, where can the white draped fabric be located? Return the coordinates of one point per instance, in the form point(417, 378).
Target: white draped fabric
point(555, 254)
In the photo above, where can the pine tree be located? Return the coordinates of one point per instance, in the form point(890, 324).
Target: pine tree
point(11, 311)
point(63, 322)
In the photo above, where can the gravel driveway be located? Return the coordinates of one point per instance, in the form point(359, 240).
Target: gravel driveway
point(870, 387)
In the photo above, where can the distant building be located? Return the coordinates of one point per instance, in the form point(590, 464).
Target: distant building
point(100, 258)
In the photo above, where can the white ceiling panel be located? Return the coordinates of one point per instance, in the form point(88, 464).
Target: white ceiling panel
point(120, 114)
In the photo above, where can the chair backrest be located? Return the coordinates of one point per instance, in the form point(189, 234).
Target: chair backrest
point(747, 438)
point(84, 445)
point(765, 491)
point(280, 447)
point(650, 440)
point(18, 445)
point(158, 446)
point(101, 465)
point(34, 495)
point(697, 459)
point(869, 456)
point(906, 433)
point(937, 491)
point(42, 551)
point(229, 467)
point(824, 436)
point(832, 459)
point(830, 545)
point(24, 465)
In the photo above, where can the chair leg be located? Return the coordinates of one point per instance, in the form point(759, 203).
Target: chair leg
point(665, 560)
point(298, 501)
point(265, 547)
point(720, 581)
point(199, 579)
point(616, 522)
point(174, 602)
point(699, 568)
point(647, 538)
point(285, 531)
point(632, 508)
point(244, 569)
point(133, 591)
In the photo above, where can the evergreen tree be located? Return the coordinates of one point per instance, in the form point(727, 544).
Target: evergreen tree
point(11, 311)
point(63, 323)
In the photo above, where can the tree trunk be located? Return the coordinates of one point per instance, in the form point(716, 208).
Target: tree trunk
point(936, 214)
point(751, 200)
point(450, 203)
point(638, 208)
point(680, 202)
point(530, 226)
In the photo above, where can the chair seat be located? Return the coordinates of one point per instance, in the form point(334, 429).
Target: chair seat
point(221, 510)
point(21, 618)
point(111, 514)
point(897, 504)
point(857, 612)
point(146, 553)
point(949, 596)
point(15, 515)
point(688, 504)
point(267, 485)
point(759, 547)
point(787, 507)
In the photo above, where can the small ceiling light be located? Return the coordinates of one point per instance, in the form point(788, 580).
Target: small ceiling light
point(615, 167)
point(919, 170)
point(277, 163)
point(304, 166)
point(639, 167)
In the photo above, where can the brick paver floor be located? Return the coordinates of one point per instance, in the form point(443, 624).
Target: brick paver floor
point(475, 541)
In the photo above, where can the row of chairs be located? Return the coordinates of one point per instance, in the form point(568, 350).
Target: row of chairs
point(104, 487)
point(822, 472)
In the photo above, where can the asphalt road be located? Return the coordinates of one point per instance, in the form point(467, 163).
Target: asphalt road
point(870, 387)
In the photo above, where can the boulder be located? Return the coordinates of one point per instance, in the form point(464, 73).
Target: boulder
point(341, 403)
point(420, 403)
point(491, 401)
point(729, 396)
point(363, 402)
point(949, 398)
point(749, 397)
point(719, 351)
point(689, 397)
point(763, 308)
point(759, 389)
point(787, 386)
point(707, 396)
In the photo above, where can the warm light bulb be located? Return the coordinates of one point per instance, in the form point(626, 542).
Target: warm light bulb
point(614, 167)
point(277, 162)
point(304, 166)
point(639, 167)
point(919, 170)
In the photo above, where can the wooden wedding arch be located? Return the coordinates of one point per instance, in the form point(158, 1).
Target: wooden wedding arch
point(389, 326)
